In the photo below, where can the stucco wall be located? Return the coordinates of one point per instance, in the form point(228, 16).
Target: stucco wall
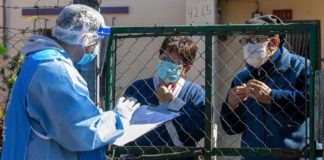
point(147, 13)
point(172, 12)
point(141, 12)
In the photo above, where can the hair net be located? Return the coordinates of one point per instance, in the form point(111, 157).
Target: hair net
point(75, 21)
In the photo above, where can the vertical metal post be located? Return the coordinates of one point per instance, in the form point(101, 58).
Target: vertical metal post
point(4, 22)
point(109, 74)
point(313, 57)
point(208, 101)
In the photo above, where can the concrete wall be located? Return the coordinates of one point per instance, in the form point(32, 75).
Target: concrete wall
point(171, 12)
point(148, 12)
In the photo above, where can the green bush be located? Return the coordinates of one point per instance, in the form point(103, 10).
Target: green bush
point(8, 76)
point(3, 50)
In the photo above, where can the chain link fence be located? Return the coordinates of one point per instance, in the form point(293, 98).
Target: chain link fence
point(133, 55)
point(10, 62)
point(12, 36)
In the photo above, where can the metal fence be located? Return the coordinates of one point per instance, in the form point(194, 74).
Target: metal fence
point(133, 53)
point(319, 105)
point(10, 62)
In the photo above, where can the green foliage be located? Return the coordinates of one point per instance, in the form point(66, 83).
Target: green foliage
point(12, 80)
point(2, 112)
point(9, 72)
point(8, 76)
point(3, 50)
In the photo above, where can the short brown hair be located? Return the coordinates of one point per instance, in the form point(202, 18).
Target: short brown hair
point(184, 46)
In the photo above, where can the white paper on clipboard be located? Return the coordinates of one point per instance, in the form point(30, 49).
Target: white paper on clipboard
point(144, 120)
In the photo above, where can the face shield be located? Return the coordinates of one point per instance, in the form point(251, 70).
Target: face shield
point(97, 39)
point(102, 39)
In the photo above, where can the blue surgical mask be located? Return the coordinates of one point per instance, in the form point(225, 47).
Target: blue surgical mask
point(168, 72)
point(88, 57)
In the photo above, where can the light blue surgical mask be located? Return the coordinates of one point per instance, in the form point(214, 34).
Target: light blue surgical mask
point(168, 72)
point(88, 57)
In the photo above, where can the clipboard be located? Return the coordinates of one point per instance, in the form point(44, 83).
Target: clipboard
point(144, 120)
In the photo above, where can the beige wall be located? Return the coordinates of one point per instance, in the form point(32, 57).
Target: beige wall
point(141, 12)
point(237, 11)
point(148, 12)
point(15, 18)
point(172, 12)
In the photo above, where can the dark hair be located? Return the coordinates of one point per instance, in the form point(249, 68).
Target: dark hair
point(44, 31)
point(184, 46)
point(95, 4)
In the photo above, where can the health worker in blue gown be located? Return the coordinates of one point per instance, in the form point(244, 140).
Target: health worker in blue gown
point(50, 114)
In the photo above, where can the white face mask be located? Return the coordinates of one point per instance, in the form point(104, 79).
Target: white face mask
point(256, 54)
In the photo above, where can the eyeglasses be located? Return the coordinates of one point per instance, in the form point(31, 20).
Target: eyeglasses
point(174, 61)
point(254, 40)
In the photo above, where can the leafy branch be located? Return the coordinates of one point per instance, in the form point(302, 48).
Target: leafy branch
point(8, 76)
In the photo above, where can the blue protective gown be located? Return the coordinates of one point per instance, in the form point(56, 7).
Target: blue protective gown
point(50, 114)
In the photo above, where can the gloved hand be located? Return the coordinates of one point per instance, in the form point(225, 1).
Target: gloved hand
point(126, 107)
point(163, 94)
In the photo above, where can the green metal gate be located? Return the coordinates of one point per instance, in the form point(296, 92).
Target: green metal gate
point(132, 52)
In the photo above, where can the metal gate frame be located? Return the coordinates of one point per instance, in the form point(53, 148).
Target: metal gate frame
point(209, 32)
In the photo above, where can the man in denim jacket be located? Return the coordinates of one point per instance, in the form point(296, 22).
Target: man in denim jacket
point(266, 102)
